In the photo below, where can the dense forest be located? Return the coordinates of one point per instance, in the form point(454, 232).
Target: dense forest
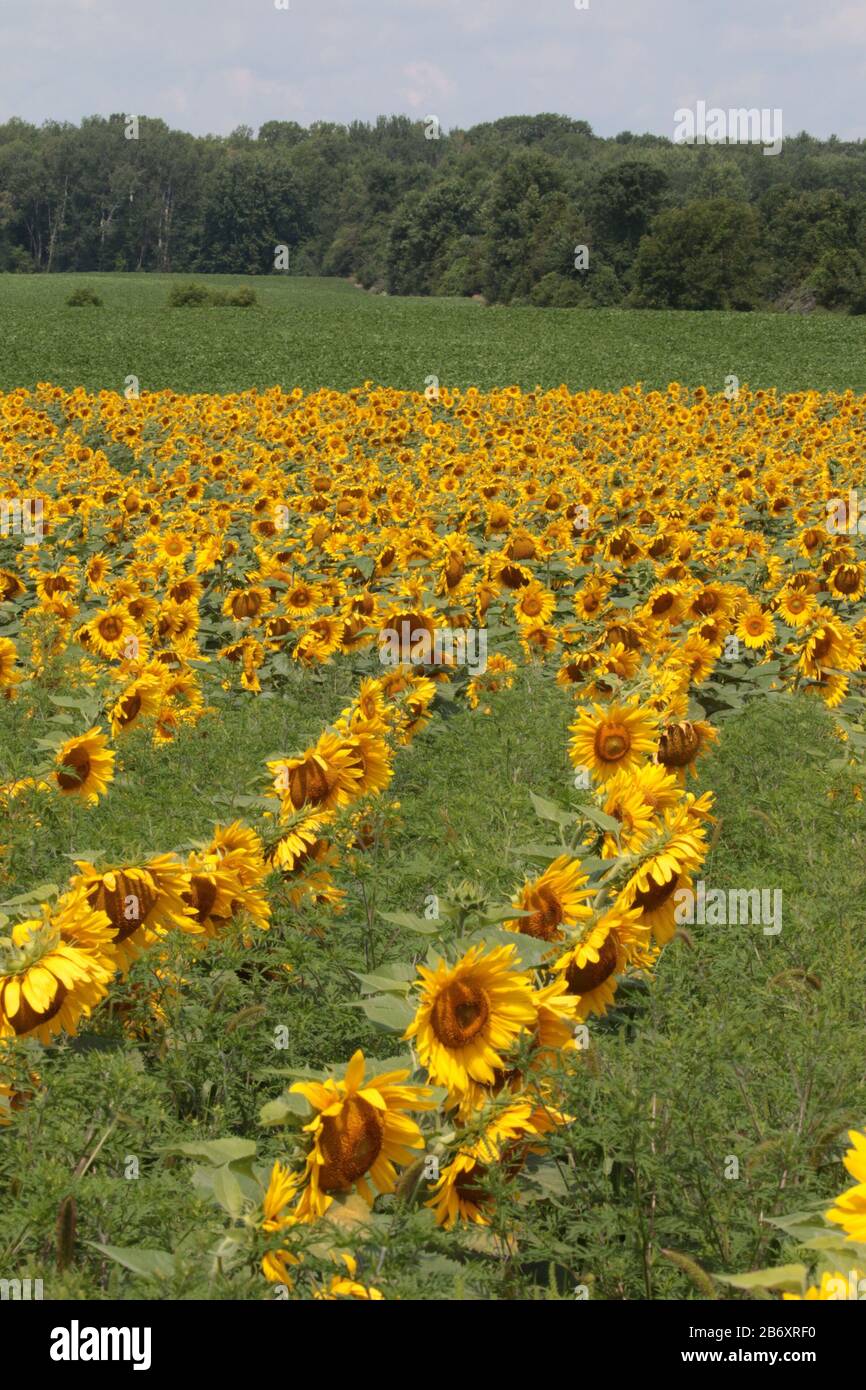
point(499, 210)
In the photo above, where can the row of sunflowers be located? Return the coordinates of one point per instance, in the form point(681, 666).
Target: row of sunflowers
point(662, 557)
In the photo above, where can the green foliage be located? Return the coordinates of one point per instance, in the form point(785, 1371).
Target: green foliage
point(198, 296)
point(83, 296)
point(315, 332)
point(494, 209)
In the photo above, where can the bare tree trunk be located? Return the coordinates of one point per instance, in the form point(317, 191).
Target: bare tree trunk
point(57, 226)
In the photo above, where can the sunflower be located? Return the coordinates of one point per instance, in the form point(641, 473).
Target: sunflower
point(323, 778)
point(682, 743)
point(615, 940)
point(85, 766)
point(9, 677)
point(555, 899)
point(215, 894)
point(666, 866)
point(140, 699)
point(110, 631)
point(850, 1209)
point(796, 607)
point(141, 901)
point(609, 740)
point(358, 1135)
point(462, 1192)
point(54, 970)
point(534, 604)
point(372, 759)
point(469, 1014)
point(755, 627)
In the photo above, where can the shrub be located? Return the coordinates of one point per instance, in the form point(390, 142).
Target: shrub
point(187, 296)
point(83, 296)
point(198, 296)
point(242, 298)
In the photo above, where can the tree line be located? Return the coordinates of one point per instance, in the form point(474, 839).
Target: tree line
point(523, 210)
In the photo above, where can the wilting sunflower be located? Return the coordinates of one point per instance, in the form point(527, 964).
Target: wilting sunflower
point(141, 901)
point(611, 944)
point(666, 867)
point(850, 1209)
point(681, 744)
point(141, 699)
point(461, 1193)
point(54, 970)
point(555, 899)
point(85, 766)
point(323, 778)
point(359, 1133)
point(469, 1014)
point(609, 740)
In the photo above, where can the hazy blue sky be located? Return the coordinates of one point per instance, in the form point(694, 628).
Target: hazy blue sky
point(210, 65)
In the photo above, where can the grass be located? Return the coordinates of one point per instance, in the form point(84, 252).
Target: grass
point(312, 333)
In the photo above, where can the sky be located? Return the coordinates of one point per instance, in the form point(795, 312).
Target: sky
point(212, 65)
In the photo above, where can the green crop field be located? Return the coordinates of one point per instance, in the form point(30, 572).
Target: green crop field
point(311, 333)
point(735, 1046)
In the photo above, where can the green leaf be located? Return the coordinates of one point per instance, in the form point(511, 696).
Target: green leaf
point(600, 818)
point(388, 1011)
point(548, 810)
point(216, 1151)
point(789, 1278)
point(151, 1264)
point(286, 1107)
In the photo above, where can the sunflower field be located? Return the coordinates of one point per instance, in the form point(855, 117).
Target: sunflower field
point(230, 626)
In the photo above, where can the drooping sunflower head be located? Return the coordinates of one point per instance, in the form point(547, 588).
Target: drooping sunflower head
point(54, 970)
point(553, 900)
point(84, 766)
point(360, 1132)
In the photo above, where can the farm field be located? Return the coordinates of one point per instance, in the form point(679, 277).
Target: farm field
point(234, 824)
point(313, 333)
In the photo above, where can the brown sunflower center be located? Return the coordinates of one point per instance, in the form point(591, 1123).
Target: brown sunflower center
point(350, 1144)
point(308, 784)
point(460, 1012)
point(547, 916)
point(582, 978)
point(79, 761)
point(26, 1018)
point(678, 744)
point(611, 742)
point(110, 628)
point(847, 579)
point(126, 906)
point(203, 892)
point(656, 895)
